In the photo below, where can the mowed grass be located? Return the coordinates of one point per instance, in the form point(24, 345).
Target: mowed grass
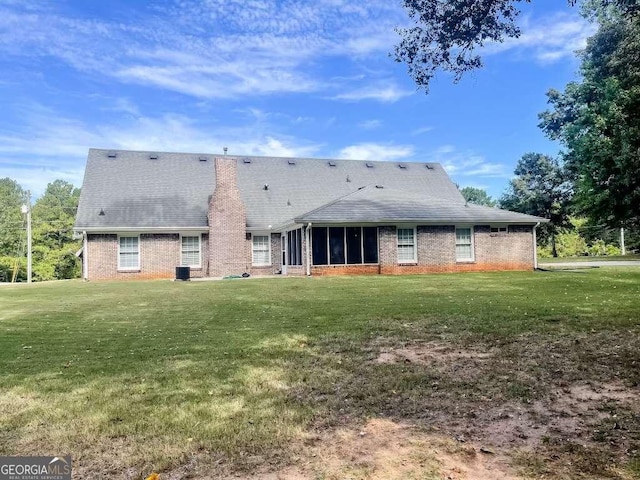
point(136, 377)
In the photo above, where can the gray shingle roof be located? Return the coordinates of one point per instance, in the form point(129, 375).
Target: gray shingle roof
point(379, 204)
point(172, 191)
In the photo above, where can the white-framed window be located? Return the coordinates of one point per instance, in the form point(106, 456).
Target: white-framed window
point(261, 250)
point(190, 251)
point(129, 253)
point(406, 245)
point(464, 244)
point(500, 229)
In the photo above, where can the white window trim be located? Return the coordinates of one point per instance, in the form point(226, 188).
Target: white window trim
point(473, 249)
point(199, 236)
point(129, 269)
point(415, 243)
point(253, 261)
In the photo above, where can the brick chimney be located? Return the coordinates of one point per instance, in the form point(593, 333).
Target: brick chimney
point(229, 252)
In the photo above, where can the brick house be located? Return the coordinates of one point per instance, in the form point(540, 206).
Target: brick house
point(142, 214)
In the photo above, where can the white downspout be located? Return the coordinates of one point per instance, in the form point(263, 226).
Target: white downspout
point(535, 246)
point(308, 240)
point(85, 256)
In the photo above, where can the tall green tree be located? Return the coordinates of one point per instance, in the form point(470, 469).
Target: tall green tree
point(448, 35)
point(53, 243)
point(540, 187)
point(12, 233)
point(478, 196)
point(12, 197)
point(598, 121)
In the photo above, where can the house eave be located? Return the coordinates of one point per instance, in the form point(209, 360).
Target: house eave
point(418, 221)
point(98, 230)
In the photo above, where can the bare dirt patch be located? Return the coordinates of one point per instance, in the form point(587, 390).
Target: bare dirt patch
point(431, 353)
point(568, 412)
point(383, 449)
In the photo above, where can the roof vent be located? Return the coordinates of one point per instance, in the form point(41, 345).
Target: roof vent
point(331, 163)
point(288, 203)
point(348, 178)
point(153, 156)
point(429, 166)
point(265, 186)
point(379, 186)
point(101, 214)
point(112, 154)
point(291, 161)
point(225, 150)
point(369, 165)
point(203, 159)
point(402, 165)
point(246, 160)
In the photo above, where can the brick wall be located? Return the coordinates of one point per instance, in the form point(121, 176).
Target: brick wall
point(160, 254)
point(436, 250)
point(159, 257)
point(229, 249)
point(276, 258)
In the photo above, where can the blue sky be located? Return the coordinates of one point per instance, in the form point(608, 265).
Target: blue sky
point(262, 77)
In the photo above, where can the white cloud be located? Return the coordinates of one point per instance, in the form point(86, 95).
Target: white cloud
point(467, 163)
point(385, 93)
point(421, 130)
point(370, 124)
point(208, 48)
point(59, 147)
point(549, 39)
point(376, 151)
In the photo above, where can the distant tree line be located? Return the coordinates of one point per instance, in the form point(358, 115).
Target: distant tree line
point(53, 245)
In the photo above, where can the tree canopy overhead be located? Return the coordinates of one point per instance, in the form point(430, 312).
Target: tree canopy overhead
point(447, 35)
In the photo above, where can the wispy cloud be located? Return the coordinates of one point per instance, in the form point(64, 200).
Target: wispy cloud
point(376, 151)
point(208, 48)
point(467, 163)
point(381, 92)
point(549, 39)
point(370, 124)
point(59, 147)
point(422, 130)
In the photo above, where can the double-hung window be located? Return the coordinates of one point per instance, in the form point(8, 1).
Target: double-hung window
point(406, 245)
point(464, 244)
point(190, 251)
point(129, 253)
point(261, 250)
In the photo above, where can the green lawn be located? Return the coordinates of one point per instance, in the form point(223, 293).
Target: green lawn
point(136, 377)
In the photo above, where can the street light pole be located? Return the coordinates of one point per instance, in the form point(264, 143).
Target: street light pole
point(26, 208)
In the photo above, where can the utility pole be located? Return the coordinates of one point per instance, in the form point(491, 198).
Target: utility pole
point(622, 248)
point(26, 208)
